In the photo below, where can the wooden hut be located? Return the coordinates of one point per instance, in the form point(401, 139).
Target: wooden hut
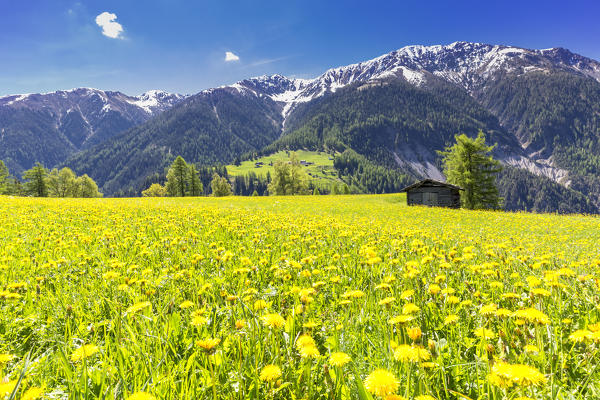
point(433, 193)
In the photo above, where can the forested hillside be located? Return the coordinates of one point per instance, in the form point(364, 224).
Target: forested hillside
point(209, 128)
point(385, 119)
point(50, 127)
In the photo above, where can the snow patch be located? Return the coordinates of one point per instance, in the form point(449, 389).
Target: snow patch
point(17, 99)
point(154, 99)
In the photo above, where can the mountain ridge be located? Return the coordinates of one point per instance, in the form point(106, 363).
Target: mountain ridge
point(68, 121)
point(535, 103)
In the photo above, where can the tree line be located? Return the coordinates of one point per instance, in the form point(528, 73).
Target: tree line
point(288, 178)
point(183, 180)
point(41, 182)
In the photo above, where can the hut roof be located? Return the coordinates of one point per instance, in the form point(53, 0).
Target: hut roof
point(431, 183)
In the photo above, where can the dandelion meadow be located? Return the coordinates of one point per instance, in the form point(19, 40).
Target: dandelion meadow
point(307, 297)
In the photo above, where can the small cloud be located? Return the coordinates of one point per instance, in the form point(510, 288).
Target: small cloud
point(109, 26)
point(229, 56)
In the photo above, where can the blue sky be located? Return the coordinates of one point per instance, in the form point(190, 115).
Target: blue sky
point(181, 45)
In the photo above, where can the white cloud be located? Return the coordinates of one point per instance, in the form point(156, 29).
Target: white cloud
point(109, 26)
point(229, 56)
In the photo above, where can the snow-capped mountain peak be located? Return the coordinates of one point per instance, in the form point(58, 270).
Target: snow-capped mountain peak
point(82, 117)
point(466, 64)
point(155, 100)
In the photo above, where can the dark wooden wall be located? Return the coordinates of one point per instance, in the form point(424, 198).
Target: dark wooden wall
point(438, 196)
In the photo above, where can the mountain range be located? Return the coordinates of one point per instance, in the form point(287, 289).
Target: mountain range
point(50, 127)
point(541, 107)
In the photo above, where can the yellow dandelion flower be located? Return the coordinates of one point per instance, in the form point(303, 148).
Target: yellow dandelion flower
point(186, 304)
point(594, 327)
point(273, 320)
point(309, 352)
point(532, 315)
point(84, 352)
point(199, 320)
point(451, 319)
point(141, 396)
point(339, 359)
point(260, 304)
point(401, 319)
point(410, 308)
point(309, 325)
point(489, 309)
point(411, 353)
point(208, 344)
point(353, 294)
point(270, 373)
point(434, 289)
point(407, 294)
point(4, 358)
point(540, 292)
point(381, 383)
point(304, 340)
point(580, 335)
point(503, 312)
point(507, 375)
point(394, 397)
point(33, 393)
point(7, 388)
point(485, 333)
point(414, 333)
point(110, 275)
point(240, 324)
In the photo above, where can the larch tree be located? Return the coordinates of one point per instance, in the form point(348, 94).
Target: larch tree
point(469, 164)
point(195, 184)
point(35, 181)
point(177, 178)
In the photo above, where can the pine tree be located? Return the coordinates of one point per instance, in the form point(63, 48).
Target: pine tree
point(177, 178)
point(195, 184)
point(469, 165)
point(35, 178)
